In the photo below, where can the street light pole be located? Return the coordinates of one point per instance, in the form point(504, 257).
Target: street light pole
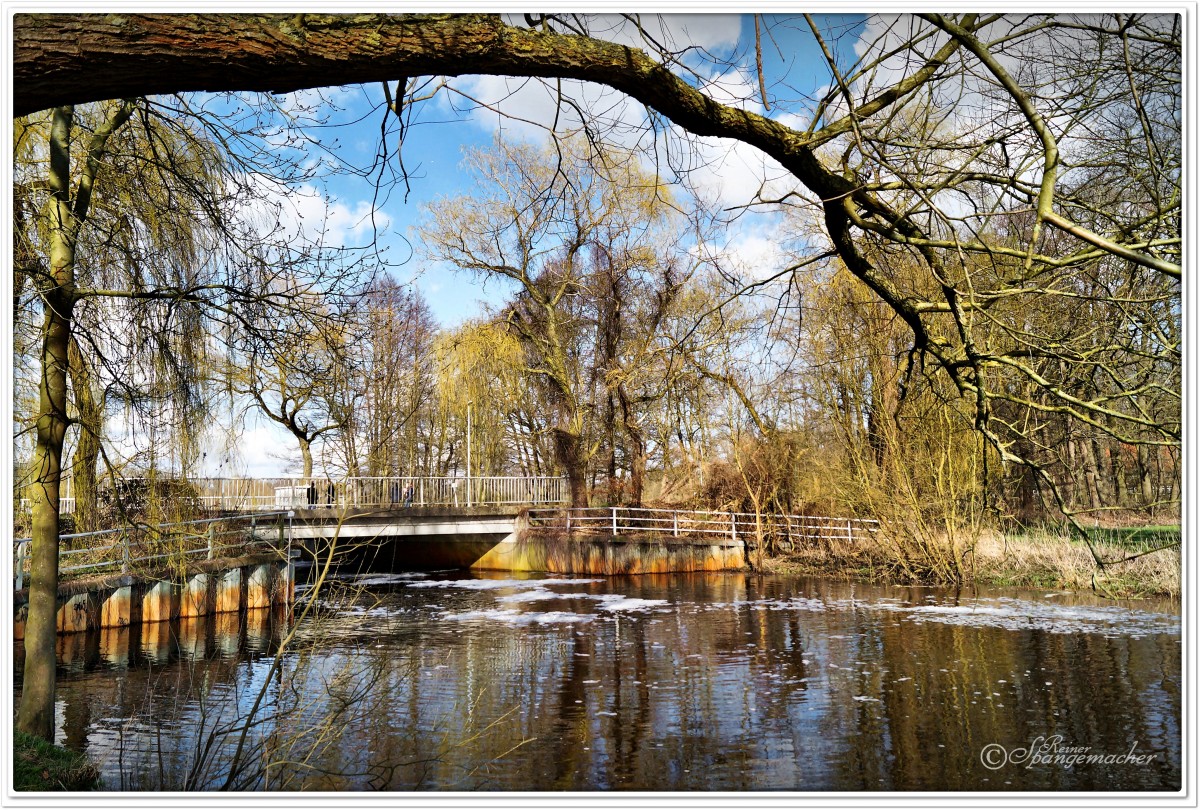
point(468, 454)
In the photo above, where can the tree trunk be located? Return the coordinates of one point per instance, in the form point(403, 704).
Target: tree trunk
point(36, 712)
point(1116, 468)
point(1090, 473)
point(306, 455)
point(881, 413)
point(637, 450)
point(568, 446)
point(1146, 480)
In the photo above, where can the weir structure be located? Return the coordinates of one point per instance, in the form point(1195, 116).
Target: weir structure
point(244, 557)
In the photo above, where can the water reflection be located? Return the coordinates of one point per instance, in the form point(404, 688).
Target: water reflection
point(658, 682)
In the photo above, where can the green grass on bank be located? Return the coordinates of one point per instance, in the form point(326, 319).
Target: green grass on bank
point(40, 766)
point(1138, 538)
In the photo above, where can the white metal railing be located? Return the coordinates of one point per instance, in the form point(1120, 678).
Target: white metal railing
point(253, 494)
point(620, 520)
point(398, 491)
point(113, 550)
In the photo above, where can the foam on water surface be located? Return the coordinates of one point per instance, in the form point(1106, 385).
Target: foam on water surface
point(497, 584)
point(519, 616)
point(1022, 614)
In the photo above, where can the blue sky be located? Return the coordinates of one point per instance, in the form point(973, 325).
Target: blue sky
point(433, 148)
point(433, 151)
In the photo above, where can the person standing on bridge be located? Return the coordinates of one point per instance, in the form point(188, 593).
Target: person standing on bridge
point(408, 496)
point(312, 494)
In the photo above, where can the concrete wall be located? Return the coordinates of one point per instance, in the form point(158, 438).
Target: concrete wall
point(603, 555)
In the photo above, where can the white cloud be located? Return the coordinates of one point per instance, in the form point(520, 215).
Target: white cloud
point(305, 211)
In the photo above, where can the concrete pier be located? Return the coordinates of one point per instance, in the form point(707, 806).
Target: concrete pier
point(123, 600)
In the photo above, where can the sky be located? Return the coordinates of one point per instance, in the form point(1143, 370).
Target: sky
point(444, 127)
point(433, 148)
point(448, 124)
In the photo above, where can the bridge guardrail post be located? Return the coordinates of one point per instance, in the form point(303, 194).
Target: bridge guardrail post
point(675, 523)
point(212, 537)
point(614, 521)
point(733, 526)
point(287, 564)
point(125, 561)
point(22, 554)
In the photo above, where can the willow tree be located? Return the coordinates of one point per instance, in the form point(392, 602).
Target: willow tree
point(478, 368)
point(284, 374)
point(146, 261)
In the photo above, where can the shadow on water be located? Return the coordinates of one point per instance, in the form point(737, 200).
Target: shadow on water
point(456, 681)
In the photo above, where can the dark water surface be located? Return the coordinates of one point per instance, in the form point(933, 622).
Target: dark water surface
point(449, 681)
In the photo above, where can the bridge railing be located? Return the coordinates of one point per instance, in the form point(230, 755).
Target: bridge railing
point(158, 546)
point(267, 494)
point(620, 520)
point(379, 491)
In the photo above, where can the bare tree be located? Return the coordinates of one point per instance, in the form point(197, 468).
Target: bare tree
point(1024, 164)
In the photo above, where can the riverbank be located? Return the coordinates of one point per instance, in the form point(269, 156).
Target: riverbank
point(40, 766)
point(1033, 560)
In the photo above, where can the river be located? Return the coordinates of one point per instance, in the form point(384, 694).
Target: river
point(732, 681)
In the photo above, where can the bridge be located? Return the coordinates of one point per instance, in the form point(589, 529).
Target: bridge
point(244, 555)
point(422, 522)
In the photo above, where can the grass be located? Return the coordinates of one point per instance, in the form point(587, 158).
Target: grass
point(1140, 538)
point(1050, 559)
point(1039, 559)
point(41, 766)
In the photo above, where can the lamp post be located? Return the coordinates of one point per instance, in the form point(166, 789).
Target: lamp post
point(468, 454)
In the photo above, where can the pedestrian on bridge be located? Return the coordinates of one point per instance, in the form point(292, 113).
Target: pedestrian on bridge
point(312, 494)
point(408, 496)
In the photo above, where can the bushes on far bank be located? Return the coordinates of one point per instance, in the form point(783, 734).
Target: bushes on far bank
point(1034, 559)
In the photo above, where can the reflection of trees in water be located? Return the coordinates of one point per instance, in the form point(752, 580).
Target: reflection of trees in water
point(1094, 691)
point(397, 698)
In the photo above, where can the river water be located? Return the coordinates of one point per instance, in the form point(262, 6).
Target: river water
point(738, 682)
